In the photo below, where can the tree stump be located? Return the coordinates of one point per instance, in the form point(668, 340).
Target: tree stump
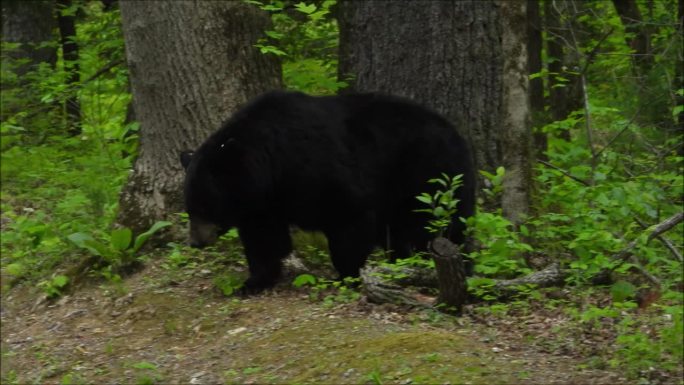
point(451, 277)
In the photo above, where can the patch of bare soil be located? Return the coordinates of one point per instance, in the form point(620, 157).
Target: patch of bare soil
point(153, 329)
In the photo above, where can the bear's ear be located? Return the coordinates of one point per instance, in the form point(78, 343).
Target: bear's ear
point(185, 158)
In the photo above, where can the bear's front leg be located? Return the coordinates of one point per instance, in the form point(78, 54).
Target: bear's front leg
point(350, 242)
point(267, 242)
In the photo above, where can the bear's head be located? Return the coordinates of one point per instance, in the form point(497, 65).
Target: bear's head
point(225, 181)
point(206, 199)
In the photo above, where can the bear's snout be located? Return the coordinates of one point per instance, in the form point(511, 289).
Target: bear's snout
point(202, 233)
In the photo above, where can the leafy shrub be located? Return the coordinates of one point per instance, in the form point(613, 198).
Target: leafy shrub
point(119, 249)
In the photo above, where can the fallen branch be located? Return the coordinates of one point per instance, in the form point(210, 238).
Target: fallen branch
point(550, 276)
point(379, 288)
point(664, 241)
point(623, 255)
point(660, 228)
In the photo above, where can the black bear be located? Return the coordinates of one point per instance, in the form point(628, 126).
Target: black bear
point(350, 166)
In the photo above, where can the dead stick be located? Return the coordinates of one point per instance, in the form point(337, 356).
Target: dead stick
point(660, 228)
point(663, 240)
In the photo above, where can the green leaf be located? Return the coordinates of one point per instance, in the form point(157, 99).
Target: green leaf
point(304, 279)
point(142, 238)
point(274, 35)
point(97, 248)
point(79, 238)
point(304, 8)
point(145, 365)
point(524, 230)
point(425, 198)
point(60, 281)
point(121, 238)
point(621, 290)
point(15, 269)
point(86, 241)
point(270, 49)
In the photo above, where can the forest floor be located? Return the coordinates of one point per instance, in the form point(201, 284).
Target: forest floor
point(160, 327)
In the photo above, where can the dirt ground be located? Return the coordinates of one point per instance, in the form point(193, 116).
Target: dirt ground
point(156, 328)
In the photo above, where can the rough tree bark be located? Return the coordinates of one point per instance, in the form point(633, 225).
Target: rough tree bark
point(443, 54)
point(192, 63)
point(515, 200)
point(29, 23)
point(26, 23)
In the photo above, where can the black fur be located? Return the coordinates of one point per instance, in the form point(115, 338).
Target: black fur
point(349, 166)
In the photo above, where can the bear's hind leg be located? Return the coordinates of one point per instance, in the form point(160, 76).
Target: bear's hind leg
point(266, 244)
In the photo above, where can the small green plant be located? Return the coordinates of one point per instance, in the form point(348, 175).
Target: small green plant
point(176, 258)
point(494, 185)
point(72, 379)
point(304, 280)
point(375, 377)
point(501, 248)
point(119, 249)
point(442, 204)
point(335, 291)
point(251, 370)
point(146, 373)
point(306, 44)
point(432, 357)
point(54, 286)
point(228, 284)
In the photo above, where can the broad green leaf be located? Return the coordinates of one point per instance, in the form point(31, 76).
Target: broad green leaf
point(86, 241)
point(142, 238)
point(79, 238)
point(121, 238)
point(304, 279)
point(305, 8)
point(274, 34)
point(60, 281)
point(622, 290)
point(97, 248)
point(425, 199)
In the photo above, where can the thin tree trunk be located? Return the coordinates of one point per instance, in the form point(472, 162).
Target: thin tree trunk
point(679, 71)
point(564, 97)
point(67, 31)
point(191, 65)
point(637, 35)
point(515, 200)
point(534, 60)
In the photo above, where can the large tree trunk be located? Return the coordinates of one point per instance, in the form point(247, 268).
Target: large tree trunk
point(29, 23)
point(515, 201)
point(192, 63)
point(443, 54)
